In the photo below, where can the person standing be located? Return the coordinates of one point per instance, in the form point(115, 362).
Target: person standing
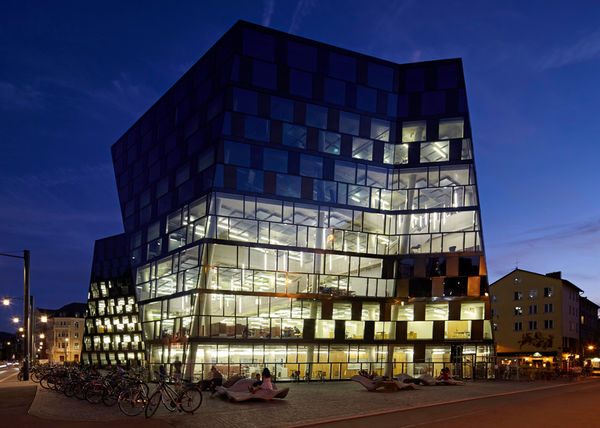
point(216, 379)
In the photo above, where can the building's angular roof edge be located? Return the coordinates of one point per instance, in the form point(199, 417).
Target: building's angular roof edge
point(108, 238)
point(564, 281)
point(246, 24)
point(242, 24)
point(587, 299)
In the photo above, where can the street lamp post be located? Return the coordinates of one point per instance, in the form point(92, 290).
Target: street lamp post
point(26, 320)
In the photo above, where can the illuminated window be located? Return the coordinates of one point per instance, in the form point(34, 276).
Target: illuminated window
point(342, 311)
point(451, 128)
point(405, 313)
point(355, 330)
point(438, 151)
point(419, 330)
point(436, 311)
point(457, 330)
point(518, 310)
point(413, 131)
point(370, 311)
point(385, 330)
point(472, 311)
point(324, 329)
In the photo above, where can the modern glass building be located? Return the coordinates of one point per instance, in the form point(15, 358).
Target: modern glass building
point(112, 326)
point(303, 207)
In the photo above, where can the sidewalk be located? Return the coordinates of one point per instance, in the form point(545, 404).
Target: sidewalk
point(305, 404)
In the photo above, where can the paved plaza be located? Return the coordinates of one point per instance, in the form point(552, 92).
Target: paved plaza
point(305, 404)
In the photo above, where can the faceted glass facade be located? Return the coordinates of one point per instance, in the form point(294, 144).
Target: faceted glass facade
point(295, 205)
point(112, 326)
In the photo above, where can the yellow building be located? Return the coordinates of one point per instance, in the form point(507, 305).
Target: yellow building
point(67, 326)
point(536, 317)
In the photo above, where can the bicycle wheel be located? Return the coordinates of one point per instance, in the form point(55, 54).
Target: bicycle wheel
point(190, 399)
point(168, 402)
point(69, 389)
point(132, 402)
point(80, 390)
point(44, 382)
point(109, 397)
point(94, 394)
point(35, 377)
point(153, 404)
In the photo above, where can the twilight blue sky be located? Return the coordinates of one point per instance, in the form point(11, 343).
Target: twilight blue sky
point(75, 75)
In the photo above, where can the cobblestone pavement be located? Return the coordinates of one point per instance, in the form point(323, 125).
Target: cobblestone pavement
point(305, 403)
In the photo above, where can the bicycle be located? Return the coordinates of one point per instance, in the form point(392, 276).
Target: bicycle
point(188, 400)
point(133, 400)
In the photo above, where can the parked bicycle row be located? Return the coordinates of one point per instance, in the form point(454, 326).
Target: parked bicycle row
point(129, 390)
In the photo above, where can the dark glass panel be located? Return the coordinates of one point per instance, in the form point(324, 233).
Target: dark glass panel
point(288, 185)
point(258, 45)
point(419, 287)
point(455, 286)
point(264, 74)
point(282, 109)
point(250, 180)
point(275, 160)
point(311, 166)
point(447, 76)
point(245, 101)
point(381, 77)
point(433, 103)
point(302, 56)
point(300, 83)
point(335, 91)
point(236, 153)
point(415, 80)
point(316, 116)
point(257, 128)
point(366, 99)
point(342, 67)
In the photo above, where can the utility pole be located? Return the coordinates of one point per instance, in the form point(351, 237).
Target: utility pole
point(26, 321)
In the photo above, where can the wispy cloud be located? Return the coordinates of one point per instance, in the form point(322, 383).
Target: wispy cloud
point(121, 93)
point(21, 97)
point(585, 49)
point(587, 231)
point(268, 12)
point(303, 8)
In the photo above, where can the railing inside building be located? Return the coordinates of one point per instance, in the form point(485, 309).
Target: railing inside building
point(339, 371)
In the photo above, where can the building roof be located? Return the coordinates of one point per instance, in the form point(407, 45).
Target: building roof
point(552, 275)
point(72, 310)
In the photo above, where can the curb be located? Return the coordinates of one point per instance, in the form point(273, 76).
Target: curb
point(425, 406)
